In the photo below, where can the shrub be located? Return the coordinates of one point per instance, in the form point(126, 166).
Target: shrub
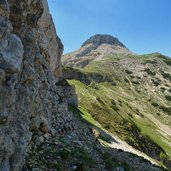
point(166, 109)
point(59, 167)
point(64, 154)
point(85, 160)
point(151, 61)
point(128, 72)
point(162, 89)
point(94, 85)
point(126, 80)
point(155, 82)
point(163, 156)
point(168, 97)
point(110, 161)
point(168, 61)
point(130, 115)
point(154, 104)
point(135, 82)
point(148, 71)
point(105, 137)
point(138, 77)
point(166, 75)
point(114, 105)
point(100, 100)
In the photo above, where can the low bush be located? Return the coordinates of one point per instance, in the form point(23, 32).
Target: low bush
point(148, 71)
point(168, 97)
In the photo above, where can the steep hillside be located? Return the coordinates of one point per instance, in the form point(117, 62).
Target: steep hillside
point(128, 94)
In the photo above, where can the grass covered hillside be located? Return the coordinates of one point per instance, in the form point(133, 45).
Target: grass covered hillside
point(130, 96)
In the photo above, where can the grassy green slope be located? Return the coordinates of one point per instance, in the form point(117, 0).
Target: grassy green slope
point(137, 108)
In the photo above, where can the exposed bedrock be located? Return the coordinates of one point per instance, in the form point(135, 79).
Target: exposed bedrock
point(32, 101)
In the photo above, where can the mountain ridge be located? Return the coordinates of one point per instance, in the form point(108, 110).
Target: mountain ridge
point(129, 95)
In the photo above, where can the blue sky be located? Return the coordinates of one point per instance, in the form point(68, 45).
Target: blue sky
point(143, 26)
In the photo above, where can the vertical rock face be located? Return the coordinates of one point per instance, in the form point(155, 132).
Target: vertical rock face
point(50, 44)
point(32, 101)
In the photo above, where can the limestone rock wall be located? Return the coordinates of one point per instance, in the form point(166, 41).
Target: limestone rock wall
point(32, 100)
point(50, 43)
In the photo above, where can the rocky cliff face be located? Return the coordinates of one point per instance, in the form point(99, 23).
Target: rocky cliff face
point(30, 100)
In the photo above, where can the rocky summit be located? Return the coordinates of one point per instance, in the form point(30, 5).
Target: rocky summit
point(43, 125)
point(100, 39)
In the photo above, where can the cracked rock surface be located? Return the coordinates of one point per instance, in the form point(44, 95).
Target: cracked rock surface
point(30, 101)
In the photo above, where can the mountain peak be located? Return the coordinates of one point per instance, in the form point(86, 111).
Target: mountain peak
point(100, 39)
point(96, 47)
